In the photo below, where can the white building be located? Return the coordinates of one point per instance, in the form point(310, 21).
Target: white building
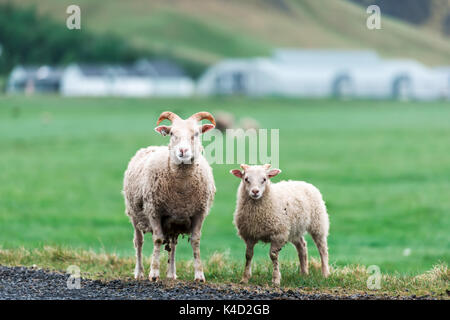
point(444, 72)
point(398, 79)
point(143, 79)
point(265, 77)
point(324, 73)
point(295, 73)
point(34, 79)
point(329, 57)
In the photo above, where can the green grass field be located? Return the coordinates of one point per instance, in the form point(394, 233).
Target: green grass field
point(383, 168)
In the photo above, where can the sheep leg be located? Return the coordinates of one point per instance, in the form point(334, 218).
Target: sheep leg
point(275, 248)
point(302, 251)
point(248, 261)
point(158, 239)
point(171, 271)
point(195, 243)
point(321, 243)
point(138, 242)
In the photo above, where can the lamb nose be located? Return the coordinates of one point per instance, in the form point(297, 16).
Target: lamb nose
point(255, 191)
point(183, 151)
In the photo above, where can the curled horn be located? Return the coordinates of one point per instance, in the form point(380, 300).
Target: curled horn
point(199, 116)
point(167, 115)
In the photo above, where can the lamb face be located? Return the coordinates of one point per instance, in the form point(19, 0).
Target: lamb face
point(255, 179)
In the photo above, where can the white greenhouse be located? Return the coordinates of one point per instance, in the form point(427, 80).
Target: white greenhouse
point(324, 73)
point(398, 79)
point(265, 77)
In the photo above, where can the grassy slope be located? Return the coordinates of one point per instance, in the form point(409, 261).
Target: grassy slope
point(383, 168)
point(205, 31)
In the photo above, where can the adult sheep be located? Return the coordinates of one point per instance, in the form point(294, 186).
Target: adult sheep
point(169, 191)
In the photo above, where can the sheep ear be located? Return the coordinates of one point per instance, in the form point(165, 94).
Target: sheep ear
point(163, 130)
point(272, 173)
point(237, 173)
point(206, 127)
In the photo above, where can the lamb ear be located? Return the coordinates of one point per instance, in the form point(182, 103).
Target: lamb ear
point(163, 130)
point(273, 172)
point(237, 173)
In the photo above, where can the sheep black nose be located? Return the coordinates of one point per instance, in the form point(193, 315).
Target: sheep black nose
point(183, 151)
point(255, 191)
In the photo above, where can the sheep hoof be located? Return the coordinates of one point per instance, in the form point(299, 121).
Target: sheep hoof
point(199, 277)
point(172, 277)
point(244, 281)
point(139, 276)
point(154, 275)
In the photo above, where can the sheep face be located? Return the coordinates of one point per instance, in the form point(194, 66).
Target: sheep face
point(185, 144)
point(255, 179)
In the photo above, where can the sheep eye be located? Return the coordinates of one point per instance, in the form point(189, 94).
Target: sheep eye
point(196, 134)
point(264, 180)
point(246, 180)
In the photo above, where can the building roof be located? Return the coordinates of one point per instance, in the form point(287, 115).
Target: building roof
point(325, 56)
point(142, 68)
point(38, 73)
point(161, 68)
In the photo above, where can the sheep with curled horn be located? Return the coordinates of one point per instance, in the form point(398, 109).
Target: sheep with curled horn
point(169, 191)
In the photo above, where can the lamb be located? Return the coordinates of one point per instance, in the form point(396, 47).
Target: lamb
point(169, 191)
point(279, 213)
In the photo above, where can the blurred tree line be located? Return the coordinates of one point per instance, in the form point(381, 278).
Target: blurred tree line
point(27, 38)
